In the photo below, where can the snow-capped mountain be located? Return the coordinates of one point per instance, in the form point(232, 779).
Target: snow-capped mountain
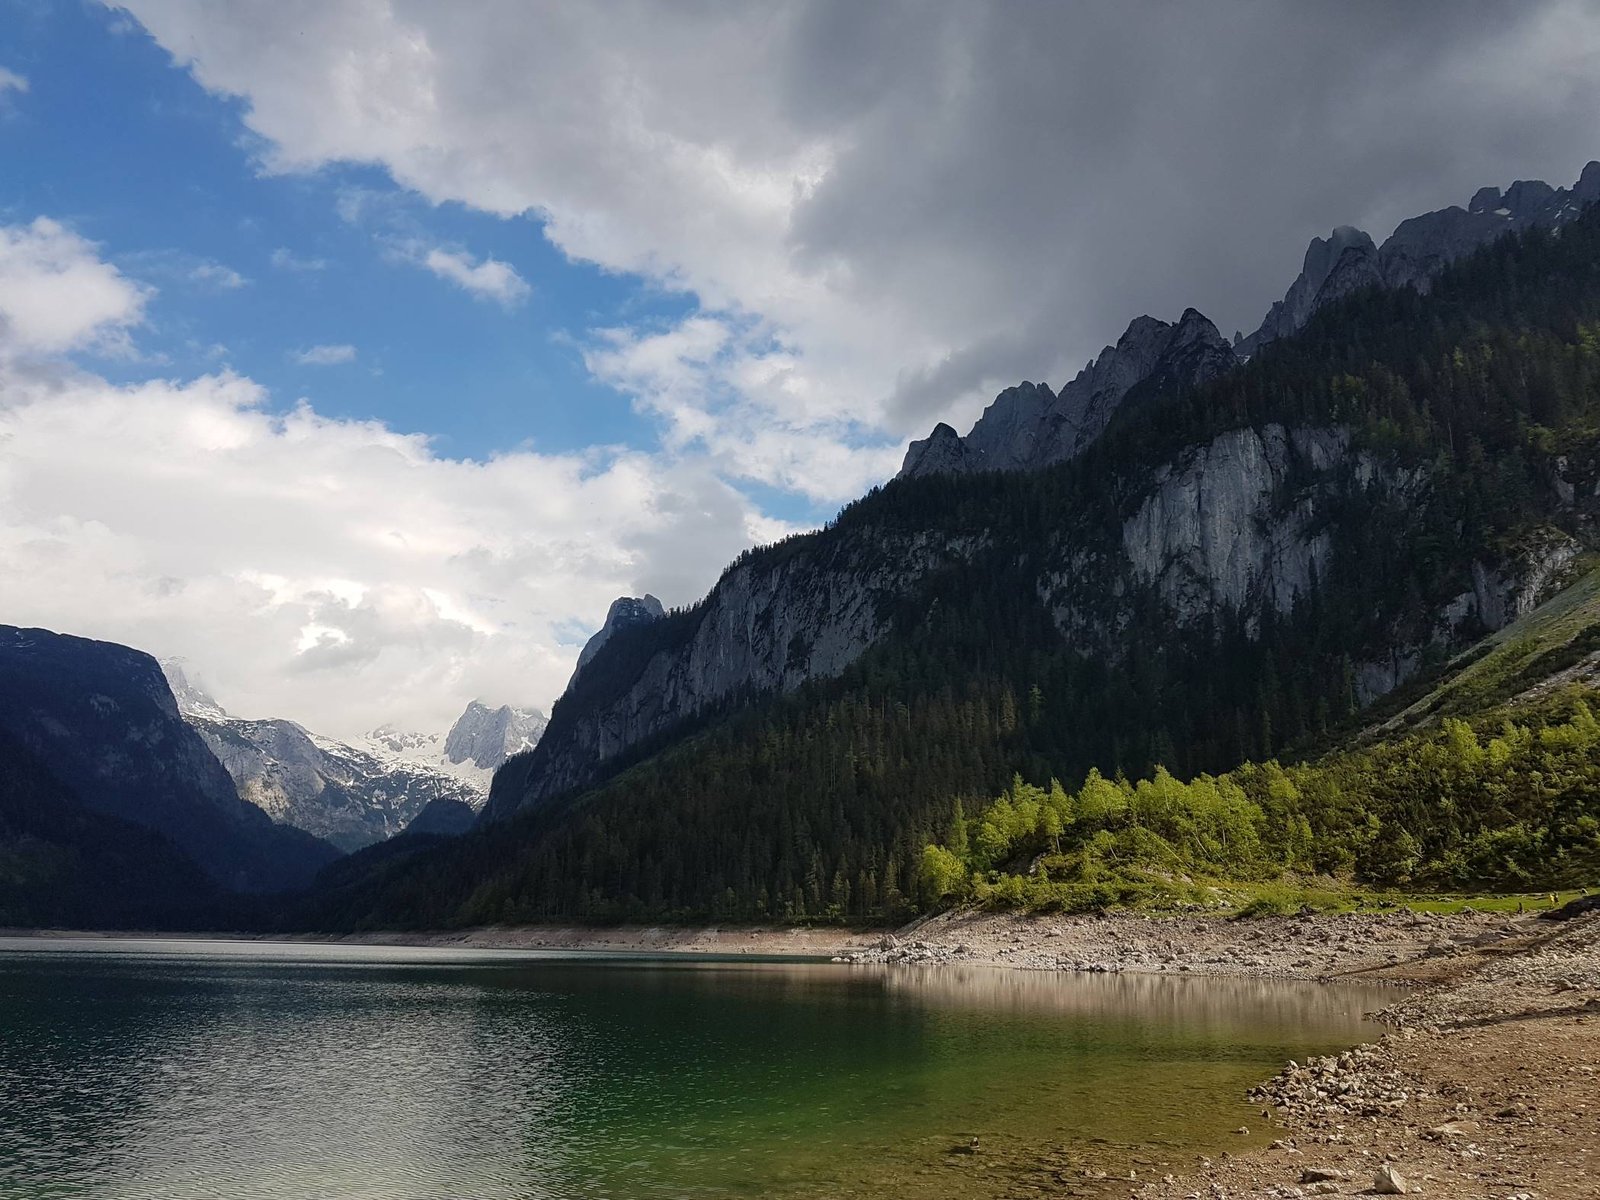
point(352, 795)
point(486, 736)
point(480, 740)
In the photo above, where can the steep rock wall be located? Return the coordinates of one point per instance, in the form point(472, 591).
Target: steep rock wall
point(768, 626)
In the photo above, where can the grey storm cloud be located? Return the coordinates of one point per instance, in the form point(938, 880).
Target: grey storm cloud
point(927, 201)
point(1072, 166)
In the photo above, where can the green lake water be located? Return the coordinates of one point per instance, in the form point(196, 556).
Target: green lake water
point(176, 1070)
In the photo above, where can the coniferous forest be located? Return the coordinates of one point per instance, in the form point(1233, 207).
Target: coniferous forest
point(823, 803)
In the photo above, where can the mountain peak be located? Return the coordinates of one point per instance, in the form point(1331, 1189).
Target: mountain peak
point(486, 736)
point(1029, 426)
point(192, 697)
point(1419, 248)
point(1587, 189)
point(625, 611)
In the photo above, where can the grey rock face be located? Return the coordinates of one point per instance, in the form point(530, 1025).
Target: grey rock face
point(348, 796)
point(486, 736)
point(942, 452)
point(1212, 535)
point(1503, 592)
point(1029, 426)
point(769, 625)
point(625, 613)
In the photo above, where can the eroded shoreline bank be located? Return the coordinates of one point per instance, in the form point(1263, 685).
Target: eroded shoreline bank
point(1399, 946)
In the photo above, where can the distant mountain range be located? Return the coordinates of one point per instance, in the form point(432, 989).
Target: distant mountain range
point(355, 795)
point(130, 797)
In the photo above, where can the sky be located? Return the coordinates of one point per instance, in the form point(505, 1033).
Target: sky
point(360, 352)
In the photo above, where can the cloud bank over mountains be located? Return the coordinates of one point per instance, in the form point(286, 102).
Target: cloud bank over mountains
point(334, 571)
point(876, 215)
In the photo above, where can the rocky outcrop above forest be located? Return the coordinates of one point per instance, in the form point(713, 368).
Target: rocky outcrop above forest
point(1237, 525)
point(771, 623)
point(1030, 426)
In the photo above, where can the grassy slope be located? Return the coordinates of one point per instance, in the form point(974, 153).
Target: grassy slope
point(1556, 644)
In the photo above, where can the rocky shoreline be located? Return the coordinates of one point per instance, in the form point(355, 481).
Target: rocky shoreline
point(1486, 1086)
point(1398, 946)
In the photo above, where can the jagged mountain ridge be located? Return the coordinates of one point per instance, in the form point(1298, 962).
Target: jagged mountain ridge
point(1236, 522)
point(101, 719)
point(1418, 249)
point(349, 795)
point(1029, 426)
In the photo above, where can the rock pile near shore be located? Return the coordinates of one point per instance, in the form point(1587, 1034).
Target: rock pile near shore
point(1359, 1082)
point(1484, 1089)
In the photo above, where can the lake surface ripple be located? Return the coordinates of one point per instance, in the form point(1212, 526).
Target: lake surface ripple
point(179, 1070)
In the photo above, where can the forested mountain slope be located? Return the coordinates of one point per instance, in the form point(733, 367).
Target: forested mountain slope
point(1229, 571)
point(1488, 781)
point(101, 721)
point(66, 866)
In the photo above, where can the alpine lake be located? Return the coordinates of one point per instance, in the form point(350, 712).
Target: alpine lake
point(176, 1070)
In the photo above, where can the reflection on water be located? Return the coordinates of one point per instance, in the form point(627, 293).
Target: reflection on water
point(181, 1070)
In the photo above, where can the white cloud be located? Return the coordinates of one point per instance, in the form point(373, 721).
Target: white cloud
point(56, 295)
point(285, 259)
point(217, 277)
point(324, 356)
point(10, 81)
point(337, 572)
point(727, 389)
point(920, 202)
point(489, 279)
point(182, 269)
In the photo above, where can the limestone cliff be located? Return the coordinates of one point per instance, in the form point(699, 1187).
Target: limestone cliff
point(770, 624)
point(1237, 525)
